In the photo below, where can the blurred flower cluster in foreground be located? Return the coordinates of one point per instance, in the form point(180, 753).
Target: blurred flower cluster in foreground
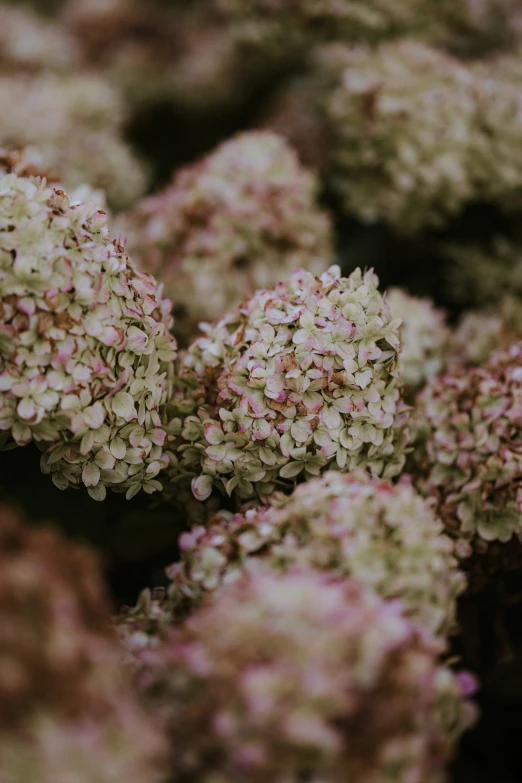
point(261, 347)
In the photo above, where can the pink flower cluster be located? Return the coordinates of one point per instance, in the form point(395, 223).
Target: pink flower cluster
point(295, 676)
point(242, 218)
point(85, 348)
point(468, 432)
point(68, 712)
point(299, 378)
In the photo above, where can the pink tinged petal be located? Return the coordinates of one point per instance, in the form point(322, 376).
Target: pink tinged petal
point(344, 405)
point(213, 433)
point(153, 469)
point(123, 405)
point(216, 453)
point(157, 436)
point(21, 433)
point(313, 401)
point(110, 336)
point(261, 429)
point(136, 436)
point(201, 487)
point(257, 403)
point(26, 409)
point(274, 385)
point(369, 351)
point(331, 418)
point(91, 475)
point(78, 425)
point(26, 305)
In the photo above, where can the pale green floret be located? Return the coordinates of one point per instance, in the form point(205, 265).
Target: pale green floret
point(468, 433)
point(296, 676)
point(298, 379)
point(85, 348)
point(350, 525)
point(424, 337)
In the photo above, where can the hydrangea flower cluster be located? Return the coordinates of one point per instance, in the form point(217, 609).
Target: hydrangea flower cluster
point(385, 536)
point(424, 337)
point(85, 348)
point(418, 134)
point(299, 378)
point(75, 125)
point(401, 116)
point(30, 42)
point(243, 218)
point(468, 451)
point(298, 677)
point(68, 712)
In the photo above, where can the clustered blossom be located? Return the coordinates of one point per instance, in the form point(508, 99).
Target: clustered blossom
point(416, 134)
point(350, 525)
point(298, 677)
point(424, 337)
point(298, 379)
point(68, 712)
point(85, 348)
point(468, 424)
point(75, 125)
point(30, 42)
point(243, 218)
